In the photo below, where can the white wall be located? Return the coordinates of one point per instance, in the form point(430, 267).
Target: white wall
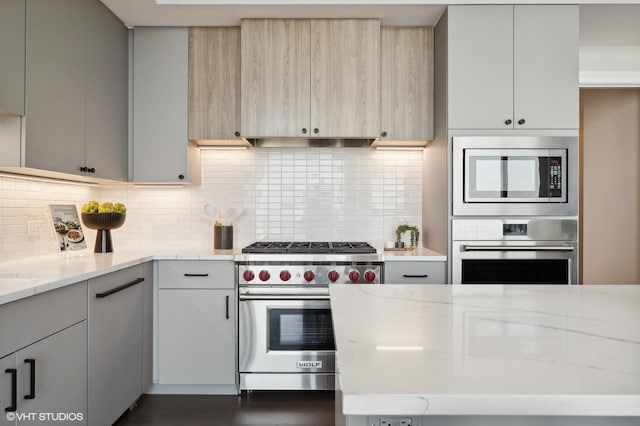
point(301, 194)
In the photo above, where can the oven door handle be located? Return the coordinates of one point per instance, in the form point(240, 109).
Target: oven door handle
point(465, 247)
point(283, 297)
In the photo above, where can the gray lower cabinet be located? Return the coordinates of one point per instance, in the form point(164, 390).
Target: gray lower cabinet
point(116, 339)
point(12, 42)
point(43, 356)
point(161, 152)
point(415, 272)
point(196, 323)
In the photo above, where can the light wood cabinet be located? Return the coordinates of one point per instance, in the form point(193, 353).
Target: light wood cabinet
point(214, 83)
point(406, 84)
point(12, 52)
point(161, 152)
point(275, 77)
point(513, 67)
point(310, 78)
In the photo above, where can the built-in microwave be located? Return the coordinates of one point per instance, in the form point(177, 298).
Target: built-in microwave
point(521, 175)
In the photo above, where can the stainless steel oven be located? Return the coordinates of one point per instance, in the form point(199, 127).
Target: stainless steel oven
point(285, 330)
point(522, 175)
point(531, 251)
point(286, 339)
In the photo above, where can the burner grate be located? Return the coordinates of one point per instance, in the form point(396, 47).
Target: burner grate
point(309, 247)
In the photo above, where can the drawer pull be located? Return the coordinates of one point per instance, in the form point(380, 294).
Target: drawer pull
point(196, 275)
point(32, 380)
point(14, 390)
point(227, 307)
point(415, 276)
point(120, 288)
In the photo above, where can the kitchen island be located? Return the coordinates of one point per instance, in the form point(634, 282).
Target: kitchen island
point(487, 355)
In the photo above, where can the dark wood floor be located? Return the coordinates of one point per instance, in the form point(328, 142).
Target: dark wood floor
point(256, 409)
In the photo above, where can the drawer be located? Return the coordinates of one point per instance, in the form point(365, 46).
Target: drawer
point(196, 274)
point(414, 272)
point(28, 320)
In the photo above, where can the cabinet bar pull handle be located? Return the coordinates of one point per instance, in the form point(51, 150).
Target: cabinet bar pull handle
point(415, 276)
point(14, 389)
point(227, 307)
point(196, 275)
point(32, 380)
point(120, 288)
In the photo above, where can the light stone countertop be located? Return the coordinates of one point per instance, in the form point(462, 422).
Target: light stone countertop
point(418, 254)
point(488, 349)
point(27, 277)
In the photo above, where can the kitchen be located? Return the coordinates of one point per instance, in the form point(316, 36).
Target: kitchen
point(365, 193)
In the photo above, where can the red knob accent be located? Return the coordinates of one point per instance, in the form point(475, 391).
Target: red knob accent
point(354, 276)
point(285, 276)
point(248, 276)
point(264, 275)
point(333, 276)
point(309, 276)
point(370, 276)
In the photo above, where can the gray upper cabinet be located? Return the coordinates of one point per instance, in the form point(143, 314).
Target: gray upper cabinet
point(56, 85)
point(406, 84)
point(275, 77)
point(107, 93)
point(76, 89)
point(161, 152)
point(513, 67)
point(214, 83)
point(12, 51)
point(310, 78)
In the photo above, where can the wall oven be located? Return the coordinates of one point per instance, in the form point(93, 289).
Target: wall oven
point(518, 175)
point(532, 251)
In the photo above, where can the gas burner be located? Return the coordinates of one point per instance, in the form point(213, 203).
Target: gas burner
point(309, 247)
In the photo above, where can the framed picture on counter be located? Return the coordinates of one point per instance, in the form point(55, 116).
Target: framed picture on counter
point(67, 229)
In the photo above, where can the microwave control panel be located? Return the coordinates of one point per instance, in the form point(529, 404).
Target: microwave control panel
point(555, 177)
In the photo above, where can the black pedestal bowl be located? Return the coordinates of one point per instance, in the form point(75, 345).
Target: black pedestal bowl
point(104, 223)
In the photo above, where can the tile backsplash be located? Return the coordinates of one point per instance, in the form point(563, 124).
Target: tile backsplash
point(286, 194)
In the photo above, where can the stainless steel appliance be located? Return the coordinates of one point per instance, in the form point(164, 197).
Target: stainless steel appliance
point(505, 251)
point(285, 331)
point(516, 175)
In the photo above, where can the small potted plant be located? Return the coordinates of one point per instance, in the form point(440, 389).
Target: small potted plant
point(103, 217)
point(414, 235)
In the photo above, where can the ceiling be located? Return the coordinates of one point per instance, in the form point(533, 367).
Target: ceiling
point(601, 22)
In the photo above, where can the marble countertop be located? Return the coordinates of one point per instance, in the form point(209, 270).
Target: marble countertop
point(418, 254)
point(488, 349)
point(26, 277)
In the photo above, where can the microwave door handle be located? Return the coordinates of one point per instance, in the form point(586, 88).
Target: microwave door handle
point(467, 247)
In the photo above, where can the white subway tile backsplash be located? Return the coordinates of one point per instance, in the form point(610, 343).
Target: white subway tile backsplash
point(286, 194)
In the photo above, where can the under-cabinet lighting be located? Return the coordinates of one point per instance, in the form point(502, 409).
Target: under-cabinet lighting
point(399, 148)
point(399, 348)
point(240, 143)
point(47, 179)
point(158, 185)
point(221, 148)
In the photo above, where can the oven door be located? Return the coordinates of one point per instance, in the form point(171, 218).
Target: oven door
point(285, 331)
point(514, 262)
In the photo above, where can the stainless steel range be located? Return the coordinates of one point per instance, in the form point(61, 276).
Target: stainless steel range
point(285, 332)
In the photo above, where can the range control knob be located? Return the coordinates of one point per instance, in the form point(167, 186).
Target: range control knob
point(370, 276)
point(285, 276)
point(248, 275)
point(333, 276)
point(309, 276)
point(354, 276)
point(264, 275)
